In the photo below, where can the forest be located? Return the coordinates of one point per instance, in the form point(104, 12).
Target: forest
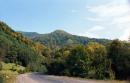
point(91, 60)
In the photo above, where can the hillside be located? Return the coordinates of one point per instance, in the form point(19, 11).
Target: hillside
point(18, 54)
point(15, 48)
point(61, 38)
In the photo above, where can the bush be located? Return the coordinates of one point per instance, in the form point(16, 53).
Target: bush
point(35, 67)
point(2, 79)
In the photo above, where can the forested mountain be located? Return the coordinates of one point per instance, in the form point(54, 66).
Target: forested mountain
point(61, 38)
point(77, 56)
point(15, 48)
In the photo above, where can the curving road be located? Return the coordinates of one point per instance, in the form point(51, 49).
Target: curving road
point(38, 78)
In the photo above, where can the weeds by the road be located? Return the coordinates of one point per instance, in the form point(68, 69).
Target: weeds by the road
point(9, 72)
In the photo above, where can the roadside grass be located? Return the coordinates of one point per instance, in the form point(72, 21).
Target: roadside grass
point(1, 79)
point(10, 71)
point(12, 67)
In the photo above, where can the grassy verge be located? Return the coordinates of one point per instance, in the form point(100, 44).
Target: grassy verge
point(9, 72)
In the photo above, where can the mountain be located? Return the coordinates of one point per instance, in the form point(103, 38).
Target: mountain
point(61, 38)
point(29, 34)
point(16, 48)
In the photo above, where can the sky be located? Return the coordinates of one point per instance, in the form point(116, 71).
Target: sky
point(91, 18)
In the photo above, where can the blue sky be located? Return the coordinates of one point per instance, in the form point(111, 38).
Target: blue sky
point(91, 18)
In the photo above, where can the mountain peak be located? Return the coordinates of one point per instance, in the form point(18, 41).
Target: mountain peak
point(60, 32)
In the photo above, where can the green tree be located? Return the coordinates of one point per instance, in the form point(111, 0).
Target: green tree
point(100, 67)
point(77, 62)
point(119, 52)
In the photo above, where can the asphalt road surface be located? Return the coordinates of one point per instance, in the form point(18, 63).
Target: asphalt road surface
point(39, 78)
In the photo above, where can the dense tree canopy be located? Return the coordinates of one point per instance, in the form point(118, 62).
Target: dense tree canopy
point(15, 48)
point(119, 53)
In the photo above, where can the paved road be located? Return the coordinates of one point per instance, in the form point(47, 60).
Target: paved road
point(38, 78)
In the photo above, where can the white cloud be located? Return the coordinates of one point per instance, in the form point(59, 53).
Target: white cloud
point(96, 28)
point(94, 19)
point(114, 8)
point(126, 34)
point(122, 19)
point(110, 10)
point(116, 14)
point(91, 32)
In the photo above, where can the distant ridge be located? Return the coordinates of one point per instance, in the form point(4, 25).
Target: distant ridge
point(61, 38)
point(30, 34)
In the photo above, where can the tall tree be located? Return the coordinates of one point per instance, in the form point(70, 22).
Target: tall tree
point(77, 62)
point(119, 52)
point(100, 67)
